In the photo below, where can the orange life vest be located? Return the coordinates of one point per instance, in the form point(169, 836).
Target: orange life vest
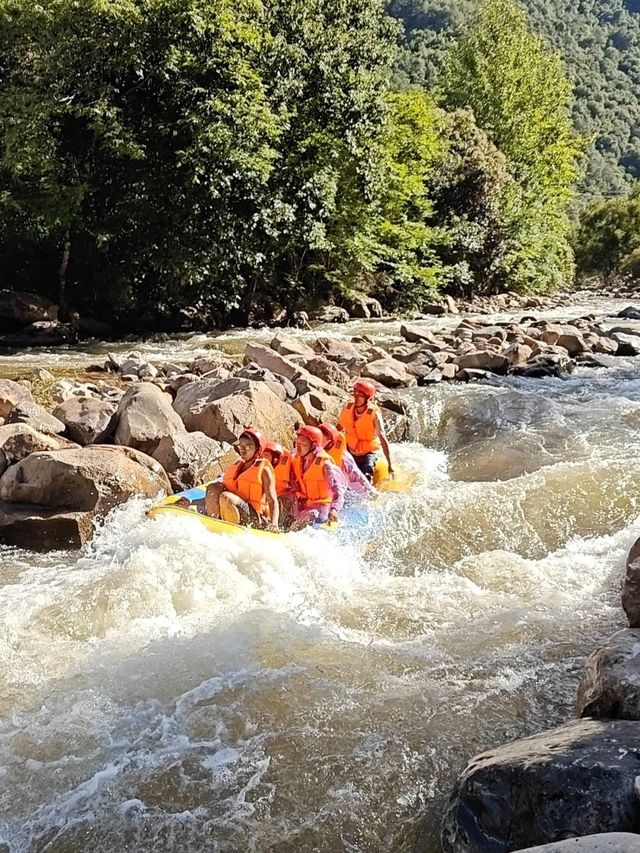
point(361, 432)
point(337, 451)
point(248, 484)
point(314, 489)
point(282, 470)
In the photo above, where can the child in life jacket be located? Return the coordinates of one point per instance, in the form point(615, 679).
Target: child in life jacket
point(361, 422)
point(246, 494)
point(335, 444)
point(320, 485)
point(280, 459)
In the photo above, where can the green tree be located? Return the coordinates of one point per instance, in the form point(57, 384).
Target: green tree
point(607, 240)
point(137, 137)
point(520, 95)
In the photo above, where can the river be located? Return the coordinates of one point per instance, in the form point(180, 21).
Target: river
point(167, 690)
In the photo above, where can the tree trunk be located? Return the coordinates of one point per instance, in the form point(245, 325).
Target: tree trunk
point(62, 279)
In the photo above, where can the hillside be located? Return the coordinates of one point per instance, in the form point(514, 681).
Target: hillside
point(600, 42)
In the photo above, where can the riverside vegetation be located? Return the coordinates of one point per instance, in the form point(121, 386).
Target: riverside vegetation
point(165, 160)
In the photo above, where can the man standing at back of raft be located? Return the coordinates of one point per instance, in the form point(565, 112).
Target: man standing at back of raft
point(247, 492)
point(361, 422)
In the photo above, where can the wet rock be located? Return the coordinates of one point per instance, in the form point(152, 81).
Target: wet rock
point(329, 372)
point(628, 345)
point(606, 842)
point(331, 314)
point(543, 365)
point(192, 458)
point(42, 333)
point(389, 372)
point(19, 308)
point(470, 374)
point(19, 440)
point(483, 360)
point(630, 313)
point(223, 410)
point(87, 420)
point(573, 343)
point(610, 685)
point(36, 416)
point(144, 417)
point(517, 354)
point(606, 346)
point(449, 370)
point(12, 393)
point(577, 779)
point(51, 499)
point(631, 587)
point(289, 345)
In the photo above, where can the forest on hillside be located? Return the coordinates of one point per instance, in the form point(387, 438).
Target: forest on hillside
point(223, 162)
point(600, 43)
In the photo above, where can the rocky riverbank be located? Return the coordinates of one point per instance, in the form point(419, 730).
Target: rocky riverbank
point(150, 426)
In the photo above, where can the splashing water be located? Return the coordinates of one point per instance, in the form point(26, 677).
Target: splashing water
point(169, 689)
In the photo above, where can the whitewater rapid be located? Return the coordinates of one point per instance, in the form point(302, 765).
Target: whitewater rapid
point(167, 689)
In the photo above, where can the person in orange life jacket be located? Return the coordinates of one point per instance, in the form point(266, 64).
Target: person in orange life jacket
point(319, 483)
point(335, 445)
point(246, 494)
point(363, 427)
point(280, 459)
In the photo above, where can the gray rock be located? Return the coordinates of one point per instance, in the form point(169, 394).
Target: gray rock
point(630, 313)
point(12, 393)
point(144, 417)
point(88, 421)
point(192, 458)
point(631, 587)
point(577, 779)
point(610, 684)
point(389, 372)
point(416, 334)
point(35, 416)
point(290, 345)
point(483, 360)
point(606, 842)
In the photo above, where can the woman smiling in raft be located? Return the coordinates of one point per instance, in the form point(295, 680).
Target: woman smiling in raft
point(317, 480)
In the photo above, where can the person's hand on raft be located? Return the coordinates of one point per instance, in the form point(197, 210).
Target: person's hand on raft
point(333, 517)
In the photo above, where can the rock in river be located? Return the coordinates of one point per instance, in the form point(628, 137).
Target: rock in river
point(631, 587)
point(610, 685)
point(577, 779)
point(606, 842)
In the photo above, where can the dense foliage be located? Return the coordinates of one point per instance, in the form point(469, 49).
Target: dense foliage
point(608, 237)
point(238, 158)
point(600, 43)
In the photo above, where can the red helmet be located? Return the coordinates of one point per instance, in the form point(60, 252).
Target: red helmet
point(258, 438)
point(330, 432)
point(276, 450)
point(313, 434)
point(363, 386)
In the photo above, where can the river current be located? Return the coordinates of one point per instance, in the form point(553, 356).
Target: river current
point(168, 690)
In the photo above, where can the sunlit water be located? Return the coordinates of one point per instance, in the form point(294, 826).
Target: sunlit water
point(171, 690)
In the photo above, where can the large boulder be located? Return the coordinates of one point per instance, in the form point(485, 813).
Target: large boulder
point(18, 309)
point(19, 440)
point(87, 419)
point(627, 344)
point(145, 416)
point(610, 685)
point(271, 360)
point(12, 393)
point(416, 334)
point(331, 314)
point(339, 350)
point(191, 458)
point(329, 372)
point(290, 345)
point(577, 779)
point(389, 372)
point(36, 416)
point(606, 842)
point(483, 360)
point(50, 500)
point(223, 410)
point(631, 587)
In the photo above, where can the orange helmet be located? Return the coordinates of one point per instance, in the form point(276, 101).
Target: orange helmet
point(363, 386)
point(276, 450)
point(330, 433)
point(312, 434)
point(257, 437)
